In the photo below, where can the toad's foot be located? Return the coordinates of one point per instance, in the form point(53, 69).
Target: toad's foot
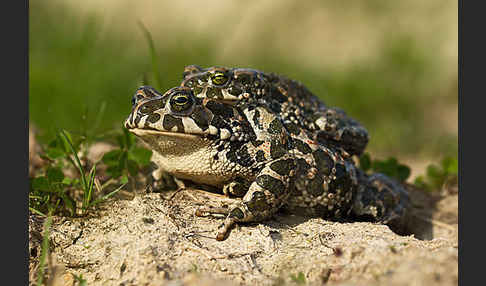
point(264, 197)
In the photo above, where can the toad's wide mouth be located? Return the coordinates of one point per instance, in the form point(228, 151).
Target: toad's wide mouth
point(144, 132)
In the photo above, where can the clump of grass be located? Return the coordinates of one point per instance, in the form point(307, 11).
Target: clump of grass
point(54, 192)
point(390, 167)
point(438, 176)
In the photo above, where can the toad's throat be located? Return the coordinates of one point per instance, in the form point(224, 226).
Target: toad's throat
point(187, 156)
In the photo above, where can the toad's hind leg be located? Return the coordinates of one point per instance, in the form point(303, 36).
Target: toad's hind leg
point(264, 197)
point(382, 199)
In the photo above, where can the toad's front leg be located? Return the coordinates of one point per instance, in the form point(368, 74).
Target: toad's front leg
point(265, 196)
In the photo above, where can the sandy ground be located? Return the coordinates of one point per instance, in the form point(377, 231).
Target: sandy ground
point(155, 239)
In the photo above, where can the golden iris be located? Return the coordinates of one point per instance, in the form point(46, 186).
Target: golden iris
point(180, 102)
point(219, 78)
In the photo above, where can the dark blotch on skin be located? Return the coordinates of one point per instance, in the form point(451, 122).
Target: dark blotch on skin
point(150, 106)
point(154, 117)
point(282, 167)
point(315, 186)
point(302, 147)
point(343, 180)
point(237, 213)
point(171, 121)
point(302, 166)
point(240, 187)
point(292, 128)
point(275, 107)
point(243, 157)
point(245, 79)
point(277, 149)
point(200, 118)
point(220, 109)
point(256, 143)
point(137, 119)
point(268, 182)
point(323, 161)
point(256, 118)
point(258, 202)
point(290, 143)
point(277, 95)
point(275, 127)
point(233, 90)
point(234, 153)
point(220, 123)
point(220, 148)
point(260, 156)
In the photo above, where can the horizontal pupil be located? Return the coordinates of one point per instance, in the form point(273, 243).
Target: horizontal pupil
point(181, 99)
point(219, 78)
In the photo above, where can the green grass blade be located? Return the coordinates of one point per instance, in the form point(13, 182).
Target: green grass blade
point(81, 280)
point(36, 211)
point(105, 197)
point(89, 193)
point(44, 250)
point(153, 55)
point(78, 165)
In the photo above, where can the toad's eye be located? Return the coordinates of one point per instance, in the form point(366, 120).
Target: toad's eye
point(180, 102)
point(219, 78)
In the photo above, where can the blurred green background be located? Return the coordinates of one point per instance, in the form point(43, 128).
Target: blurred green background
point(390, 64)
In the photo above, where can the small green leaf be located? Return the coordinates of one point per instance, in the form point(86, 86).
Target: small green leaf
point(299, 279)
point(392, 161)
point(140, 155)
point(403, 172)
point(54, 153)
point(69, 202)
point(67, 181)
point(420, 183)
point(124, 179)
point(132, 167)
point(365, 162)
point(114, 171)
point(381, 167)
point(41, 183)
point(433, 172)
point(450, 165)
point(81, 280)
point(54, 175)
point(112, 158)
